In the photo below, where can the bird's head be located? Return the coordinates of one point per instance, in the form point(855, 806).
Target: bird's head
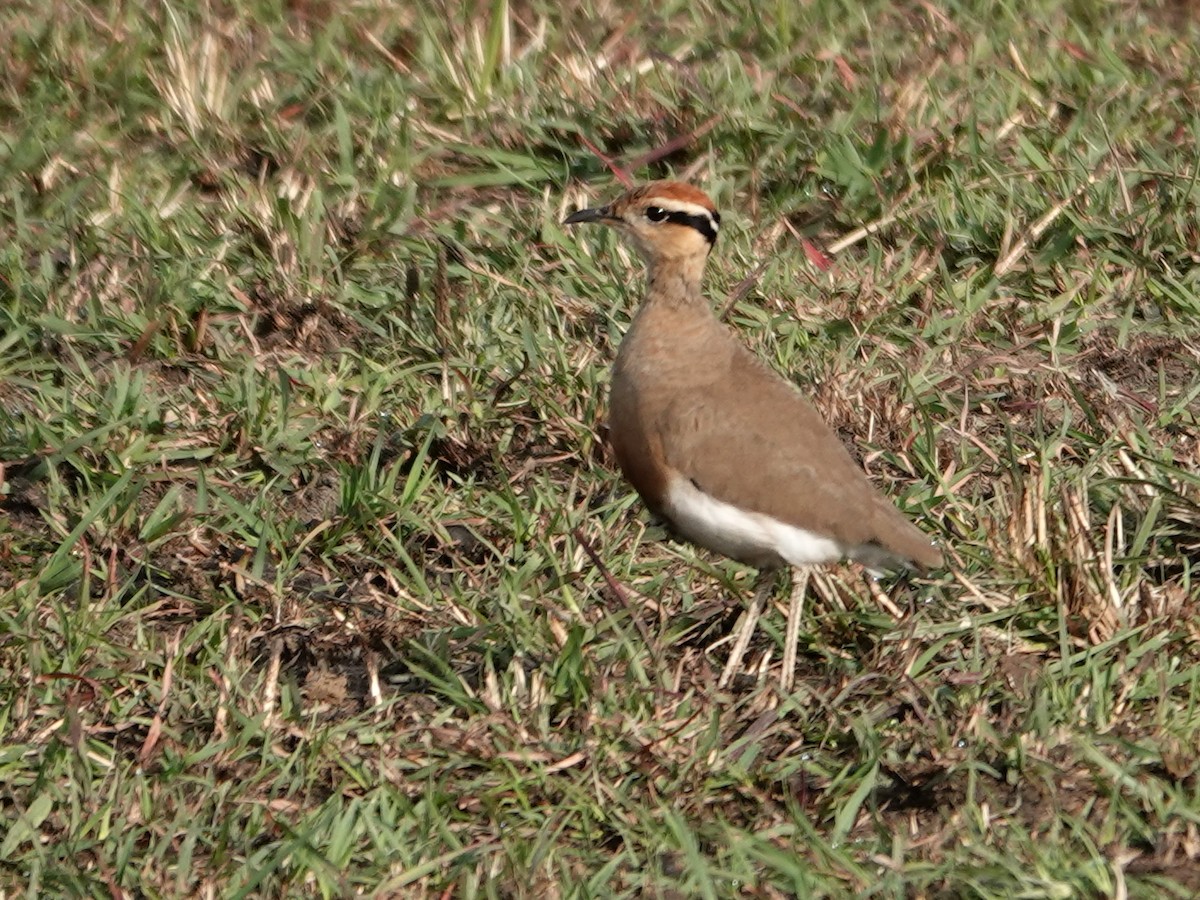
point(665, 220)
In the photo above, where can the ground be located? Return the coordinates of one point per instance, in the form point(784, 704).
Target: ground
point(316, 577)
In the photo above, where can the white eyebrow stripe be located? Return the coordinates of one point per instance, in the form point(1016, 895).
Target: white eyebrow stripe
point(683, 206)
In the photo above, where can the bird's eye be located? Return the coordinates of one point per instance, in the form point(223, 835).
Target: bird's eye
point(655, 213)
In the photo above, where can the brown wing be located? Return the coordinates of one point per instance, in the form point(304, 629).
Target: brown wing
point(752, 440)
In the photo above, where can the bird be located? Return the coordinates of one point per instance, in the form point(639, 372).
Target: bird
point(721, 447)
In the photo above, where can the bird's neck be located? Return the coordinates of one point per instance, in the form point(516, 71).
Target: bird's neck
point(676, 282)
point(673, 323)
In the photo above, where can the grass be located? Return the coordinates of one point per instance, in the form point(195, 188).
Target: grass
point(300, 393)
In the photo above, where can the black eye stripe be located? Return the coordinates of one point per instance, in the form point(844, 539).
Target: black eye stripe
point(704, 223)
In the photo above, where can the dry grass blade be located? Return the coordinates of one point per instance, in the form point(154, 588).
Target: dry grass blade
point(616, 587)
point(787, 675)
point(746, 626)
point(1038, 228)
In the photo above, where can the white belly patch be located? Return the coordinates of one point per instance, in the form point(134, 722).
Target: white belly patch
point(753, 538)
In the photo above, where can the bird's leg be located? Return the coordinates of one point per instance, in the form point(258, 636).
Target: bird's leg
point(787, 675)
point(764, 584)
